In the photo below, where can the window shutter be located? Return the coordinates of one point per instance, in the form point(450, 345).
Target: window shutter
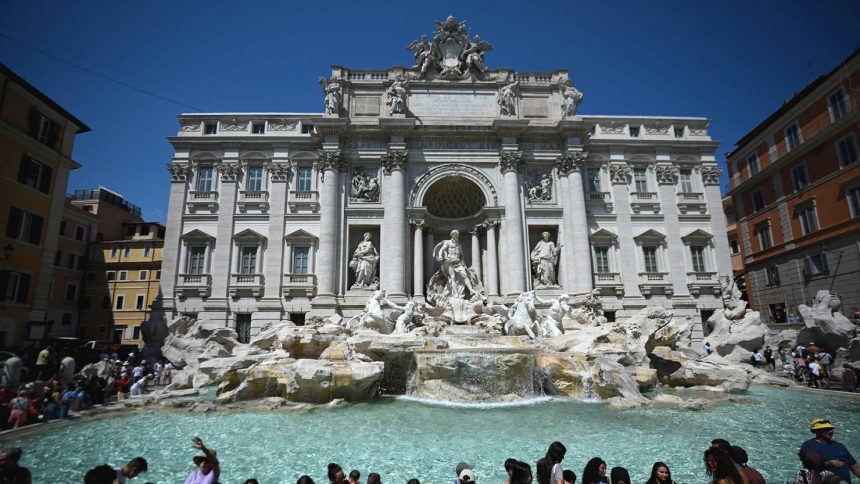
point(4, 284)
point(13, 226)
point(45, 181)
point(35, 229)
point(24, 288)
point(34, 122)
point(53, 131)
point(24, 168)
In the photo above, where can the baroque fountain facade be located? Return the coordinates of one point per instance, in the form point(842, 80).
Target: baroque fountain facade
point(443, 229)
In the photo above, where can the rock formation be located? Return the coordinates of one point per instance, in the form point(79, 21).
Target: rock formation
point(825, 325)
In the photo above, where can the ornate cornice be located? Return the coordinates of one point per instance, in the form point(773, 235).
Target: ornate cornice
point(666, 174)
point(283, 125)
point(711, 175)
point(230, 172)
point(179, 172)
point(279, 171)
point(393, 160)
point(511, 161)
point(569, 162)
point(619, 173)
point(234, 125)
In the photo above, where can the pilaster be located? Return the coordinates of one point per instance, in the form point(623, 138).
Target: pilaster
point(328, 165)
point(510, 164)
point(667, 180)
point(619, 176)
point(171, 254)
point(577, 219)
point(711, 181)
point(392, 269)
point(278, 171)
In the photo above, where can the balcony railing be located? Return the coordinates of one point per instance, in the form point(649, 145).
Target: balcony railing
point(306, 283)
point(607, 278)
point(702, 277)
point(301, 199)
point(653, 277)
point(207, 200)
point(598, 196)
point(194, 284)
point(691, 196)
point(692, 202)
point(643, 196)
point(203, 196)
point(251, 283)
point(253, 199)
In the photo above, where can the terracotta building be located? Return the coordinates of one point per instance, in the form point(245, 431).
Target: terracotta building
point(37, 136)
point(795, 189)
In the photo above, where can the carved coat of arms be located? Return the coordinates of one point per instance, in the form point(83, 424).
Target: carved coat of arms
point(451, 54)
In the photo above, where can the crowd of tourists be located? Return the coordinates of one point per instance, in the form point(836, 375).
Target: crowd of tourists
point(822, 460)
point(53, 395)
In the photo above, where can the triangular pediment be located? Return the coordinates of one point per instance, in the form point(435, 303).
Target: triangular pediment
point(300, 235)
point(697, 234)
point(248, 234)
point(650, 234)
point(604, 234)
point(197, 234)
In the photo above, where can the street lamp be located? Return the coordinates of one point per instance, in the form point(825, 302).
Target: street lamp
point(7, 252)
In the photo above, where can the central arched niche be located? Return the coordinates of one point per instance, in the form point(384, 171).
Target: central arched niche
point(454, 197)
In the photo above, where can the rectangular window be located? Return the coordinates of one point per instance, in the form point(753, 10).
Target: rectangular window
point(304, 182)
point(71, 292)
point(144, 275)
point(752, 163)
point(593, 175)
point(110, 275)
point(157, 275)
point(23, 225)
point(853, 195)
point(679, 132)
point(135, 334)
point(120, 302)
point(634, 131)
point(248, 260)
point(816, 264)
point(204, 179)
point(640, 179)
point(130, 231)
point(650, 256)
point(35, 175)
point(80, 232)
point(758, 200)
point(698, 256)
point(14, 286)
point(258, 128)
point(197, 259)
point(772, 275)
point(601, 259)
point(734, 246)
point(243, 327)
point(123, 275)
point(800, 177)
point(126, 251)
point(846, 148)
point(838, 104)
point(254, 181)
point(685, 178)
point(792, 136)
point(210, 128)
point(764, 239)
point(307, 128)
point(74, 261)
point(777, 312)
point(147, 250)
point(114, 252)
point(808, 219)
point(139, 301)
point(300, 260)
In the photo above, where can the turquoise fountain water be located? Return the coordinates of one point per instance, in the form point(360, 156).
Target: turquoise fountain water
point(403, 438)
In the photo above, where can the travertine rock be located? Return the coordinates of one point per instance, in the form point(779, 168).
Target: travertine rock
point(674, 368)
point(736, 339)
point(824, 324)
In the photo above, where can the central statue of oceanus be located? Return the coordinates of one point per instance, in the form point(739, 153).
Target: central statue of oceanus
point(453, 279)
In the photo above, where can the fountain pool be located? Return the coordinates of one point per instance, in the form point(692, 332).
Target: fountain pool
point(402, 438)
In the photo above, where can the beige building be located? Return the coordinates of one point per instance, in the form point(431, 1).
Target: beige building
point(36, 140)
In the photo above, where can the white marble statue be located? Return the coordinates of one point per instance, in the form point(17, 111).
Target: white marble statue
point(453, 279)
point(473, 55)
point(396, 96)
point(363, 263)
point(540, 188)
point(544, 258)
point(332, 96)
point(522, 316)
point(407, 316)
point(425, 58)
point(551, 325)
point(506, 98)
point(572, 100)
point(373, 316)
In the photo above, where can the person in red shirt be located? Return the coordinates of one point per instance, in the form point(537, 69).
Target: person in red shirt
point(122, 386)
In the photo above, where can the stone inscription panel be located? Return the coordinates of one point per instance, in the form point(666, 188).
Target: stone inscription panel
point(453, 104)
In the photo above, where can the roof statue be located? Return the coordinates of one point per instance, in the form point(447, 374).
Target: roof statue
point(451, 54)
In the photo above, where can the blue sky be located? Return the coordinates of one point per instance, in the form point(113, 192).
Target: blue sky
point(734, 62)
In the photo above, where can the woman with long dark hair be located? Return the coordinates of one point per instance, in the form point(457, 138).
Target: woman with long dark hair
point(335, 474)
point(660, 474)
point(595, 472)
point(521, 473)
point(722, 469)
point(549, 469)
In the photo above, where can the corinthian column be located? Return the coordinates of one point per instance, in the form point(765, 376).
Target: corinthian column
point(392, 269)
point(418, 258)
point(173, 249)
point(577, 219)
point(492, 259)
point(476, 255)
point(328, 165)
point(510, 164)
